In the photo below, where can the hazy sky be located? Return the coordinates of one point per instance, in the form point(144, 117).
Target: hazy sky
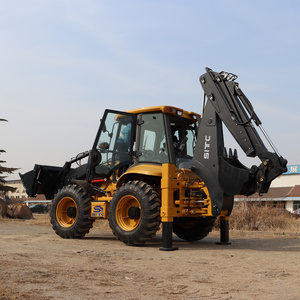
point(63, 62)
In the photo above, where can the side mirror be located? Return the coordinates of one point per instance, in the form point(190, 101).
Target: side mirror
point(103, 147)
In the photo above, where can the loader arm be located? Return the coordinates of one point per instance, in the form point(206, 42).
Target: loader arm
point(222, 172)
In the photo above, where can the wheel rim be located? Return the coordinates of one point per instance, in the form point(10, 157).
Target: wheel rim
point(124, 221)
point(63, 217)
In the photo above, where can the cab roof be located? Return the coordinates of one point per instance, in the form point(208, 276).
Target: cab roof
point(171, 110)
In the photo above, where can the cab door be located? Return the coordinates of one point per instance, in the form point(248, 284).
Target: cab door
point(113, 147)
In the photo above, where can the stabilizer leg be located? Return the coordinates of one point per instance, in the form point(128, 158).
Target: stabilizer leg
point(167, 241)
point(224, 231)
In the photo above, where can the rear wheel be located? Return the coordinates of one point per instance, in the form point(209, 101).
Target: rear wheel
point(70, 212)
point(3, 208)
point(134, 213)
point(193, 229)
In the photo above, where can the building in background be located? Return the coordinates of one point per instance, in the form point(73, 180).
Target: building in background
point(19, 193)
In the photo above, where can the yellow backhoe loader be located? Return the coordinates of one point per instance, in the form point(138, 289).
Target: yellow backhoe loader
point(162, 165)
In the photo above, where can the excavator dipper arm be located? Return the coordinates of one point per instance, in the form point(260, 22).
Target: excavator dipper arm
point(224, 175)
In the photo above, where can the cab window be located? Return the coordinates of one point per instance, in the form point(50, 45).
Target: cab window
point(152, 145)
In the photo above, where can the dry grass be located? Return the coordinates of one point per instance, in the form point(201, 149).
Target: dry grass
point(253, 216)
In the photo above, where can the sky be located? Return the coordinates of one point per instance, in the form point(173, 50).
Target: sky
point(64, 62)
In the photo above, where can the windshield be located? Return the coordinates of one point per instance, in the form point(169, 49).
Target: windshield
point(114, 142)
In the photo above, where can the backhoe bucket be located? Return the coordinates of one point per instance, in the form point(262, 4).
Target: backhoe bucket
point(19, 211)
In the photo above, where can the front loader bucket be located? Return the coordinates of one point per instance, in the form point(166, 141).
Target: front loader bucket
point(43, 180)
point(47, 180)
point(19, 211)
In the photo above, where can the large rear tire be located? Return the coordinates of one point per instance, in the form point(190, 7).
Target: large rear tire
point(3, 208)
point(193, 229)
point(71, 211)
point(134, 213)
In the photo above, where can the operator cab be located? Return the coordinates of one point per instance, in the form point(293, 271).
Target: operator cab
point(153, 135)
point(165, 138)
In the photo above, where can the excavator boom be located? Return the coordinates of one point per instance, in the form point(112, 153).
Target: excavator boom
point(222, 172)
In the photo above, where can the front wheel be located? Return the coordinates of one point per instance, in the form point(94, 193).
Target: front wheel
point(134, 213)
point(193, 229)
point(70, 212)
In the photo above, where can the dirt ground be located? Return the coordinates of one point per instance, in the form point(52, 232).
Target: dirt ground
point(35, 263)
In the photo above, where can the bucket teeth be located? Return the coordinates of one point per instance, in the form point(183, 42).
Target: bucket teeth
point(235, 155)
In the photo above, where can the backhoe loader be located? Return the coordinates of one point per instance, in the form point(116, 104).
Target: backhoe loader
point(162, 165)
